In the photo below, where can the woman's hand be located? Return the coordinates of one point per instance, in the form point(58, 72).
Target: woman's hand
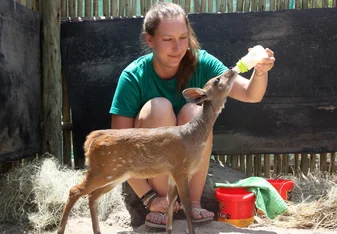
point(266, 64)
point(160, 204)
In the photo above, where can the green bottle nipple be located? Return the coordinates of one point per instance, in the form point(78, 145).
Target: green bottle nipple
point(242, 67)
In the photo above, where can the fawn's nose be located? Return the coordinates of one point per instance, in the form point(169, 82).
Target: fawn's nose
point(230, 73)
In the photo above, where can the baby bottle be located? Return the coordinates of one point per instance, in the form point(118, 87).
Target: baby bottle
point(254, 56)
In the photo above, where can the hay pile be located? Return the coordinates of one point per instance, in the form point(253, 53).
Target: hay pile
point(314, 203)
point(34, 195)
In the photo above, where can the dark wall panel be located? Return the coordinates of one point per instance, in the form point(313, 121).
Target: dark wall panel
point(19, 81)
point(298, 113)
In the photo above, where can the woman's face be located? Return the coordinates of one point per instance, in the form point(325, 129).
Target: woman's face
point(169, 42)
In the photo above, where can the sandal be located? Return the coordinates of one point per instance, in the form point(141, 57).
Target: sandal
point(199, 210)
point(156, 225)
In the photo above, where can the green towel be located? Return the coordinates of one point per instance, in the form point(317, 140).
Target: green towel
point(267, 198)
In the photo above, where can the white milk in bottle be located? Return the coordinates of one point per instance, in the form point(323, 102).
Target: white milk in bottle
point(254, 56)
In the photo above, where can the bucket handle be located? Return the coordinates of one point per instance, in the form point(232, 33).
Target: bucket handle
point(288, 192)
point(247, 196)
point(285, 184)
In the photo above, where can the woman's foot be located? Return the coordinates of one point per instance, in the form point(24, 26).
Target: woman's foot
point(199, 214)
point(158, 215)
point(156, 219)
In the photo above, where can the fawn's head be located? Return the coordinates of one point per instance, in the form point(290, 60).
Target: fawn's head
point(216, 89)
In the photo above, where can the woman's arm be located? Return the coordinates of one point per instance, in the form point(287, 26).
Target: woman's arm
point(253, 90)
point(120, 122)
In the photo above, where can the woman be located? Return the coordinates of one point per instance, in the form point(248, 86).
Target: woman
point(148, 95)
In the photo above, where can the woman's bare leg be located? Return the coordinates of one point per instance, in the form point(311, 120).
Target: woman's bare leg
point(157, 112)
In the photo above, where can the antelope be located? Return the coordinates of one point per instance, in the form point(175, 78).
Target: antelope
point(114, 156)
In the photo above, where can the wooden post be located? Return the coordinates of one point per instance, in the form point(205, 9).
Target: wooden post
point(285, 164)
point(64, 8)
point(114, 8)
point(134, 8)
point(322, 161)
point(239, 6)
point(66, 121)
point(36, 5)
point(234, 161)
point(230, 5)
point(332, 166)
point(272, 5)
point(128, 8)
point(106, 8)
point(72, 8)
point(254, 5)
point(258, 165)
point(88, 8)
point(242, 163)
point(297, 4)
point(148, 5)
point(203, 6)
point(143, 8)
point(96, 10)
point(312, 162)
point(80, 8)
point(51, 78)
point(222, 159)
point(228, 159)
point(249, 165)
point(223, 6)
point(196, 6)
point(210, 6)
point(297, 164)
point(266, 160)
point(277, 164)
point(305, 4)
point(304, 163)
point(188, 6)
point(325, 3)
point(122, 6)
point(262, 5)
point(217, 6)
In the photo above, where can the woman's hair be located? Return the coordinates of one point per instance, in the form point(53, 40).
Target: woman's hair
point(162, 10)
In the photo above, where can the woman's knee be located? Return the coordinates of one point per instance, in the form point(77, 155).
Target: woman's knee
point(155, 113)
point(187, 112)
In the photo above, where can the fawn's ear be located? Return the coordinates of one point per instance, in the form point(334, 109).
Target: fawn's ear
point(195, 95)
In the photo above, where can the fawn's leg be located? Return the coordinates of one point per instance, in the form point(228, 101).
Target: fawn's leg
point(85, 187)
point(93, 202)
point(172, 197)
point(74, 194)
point(198, 180)
point(184, 194)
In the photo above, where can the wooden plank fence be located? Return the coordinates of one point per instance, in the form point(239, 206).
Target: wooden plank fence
point(264, 165)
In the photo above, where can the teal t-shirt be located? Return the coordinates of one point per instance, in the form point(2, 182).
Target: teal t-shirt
point(138, 83)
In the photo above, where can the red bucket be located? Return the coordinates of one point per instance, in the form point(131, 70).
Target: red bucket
point(283, 187)
point(237, 206)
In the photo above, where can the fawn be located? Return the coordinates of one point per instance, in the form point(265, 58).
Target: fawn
point(113, 156)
